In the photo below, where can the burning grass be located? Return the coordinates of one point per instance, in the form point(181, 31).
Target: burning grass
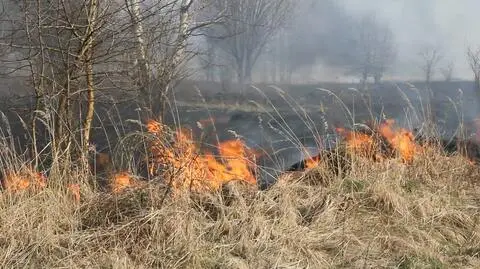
point(378, 143)
point(379, 200)
point(180, 163)
point(386, 214)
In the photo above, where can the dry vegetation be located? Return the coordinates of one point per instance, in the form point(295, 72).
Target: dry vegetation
point(406, 206)
point(375, 215)
point(379, 201)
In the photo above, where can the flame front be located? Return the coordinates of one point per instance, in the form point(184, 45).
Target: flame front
point(312, 162)
point(122, 181)
point(15, 182)
point(358, 143)
point(185, 167)
point(235, 166)
point(401, 141)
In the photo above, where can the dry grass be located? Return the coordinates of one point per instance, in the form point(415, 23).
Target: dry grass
point(371, 215)
point(376, 215)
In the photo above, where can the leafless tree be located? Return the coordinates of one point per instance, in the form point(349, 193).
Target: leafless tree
point(58, 42)
point(246, 28)
point(473, 56)
point(447, 71)
point(163, 32)
point(278, 58)
point(373, 49)
point(430, 56)
point(74, 50)
point(208, 61)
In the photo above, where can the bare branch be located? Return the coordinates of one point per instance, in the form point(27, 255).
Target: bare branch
point(431, 56)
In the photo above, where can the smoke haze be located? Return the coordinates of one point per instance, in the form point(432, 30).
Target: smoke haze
point(451, 26)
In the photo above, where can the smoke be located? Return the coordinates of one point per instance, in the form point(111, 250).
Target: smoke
point(325, 32)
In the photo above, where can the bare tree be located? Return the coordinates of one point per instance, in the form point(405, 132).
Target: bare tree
point(208, 60)
point(163, 32)
point(87, 55)
point(72, 48)
point(384, 54)
point(447, 71)
point(176, 60)
point(75, 49)
point(431, 56)
point(278, 58)
point(59, 45)
point(373, 50)
point(245, 30)
point(473, 56)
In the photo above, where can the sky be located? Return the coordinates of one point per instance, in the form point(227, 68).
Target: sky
point(449, 25)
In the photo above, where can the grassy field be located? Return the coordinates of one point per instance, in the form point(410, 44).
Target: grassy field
point(377, 215)
point(362, 214)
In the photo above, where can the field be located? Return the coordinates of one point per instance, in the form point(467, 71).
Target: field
point(386, 203)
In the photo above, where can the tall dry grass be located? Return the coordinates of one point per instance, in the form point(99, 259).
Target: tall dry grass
point(378, 215)
point(372, 215)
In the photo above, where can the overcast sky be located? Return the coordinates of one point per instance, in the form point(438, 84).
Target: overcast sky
point(452, 25)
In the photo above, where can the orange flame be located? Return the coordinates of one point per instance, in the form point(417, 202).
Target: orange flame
point(312, 162)
point(233, 153)
point(358, 143)
point(74, 190)
point(154, 126)
point(121, 182)
point(402, 140)
point(189, 169)
point(14, 182)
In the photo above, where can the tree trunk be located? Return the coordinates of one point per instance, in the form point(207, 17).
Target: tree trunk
point(274, 66)
point(40, 82)
point(428, 76)
point(182, 32)
point(477, 82)
point(248, 74)
point(210, 62)
point(88, 57)
point(62, 121)
point(87, 125)
point(289, 75)
point(177, 58)
point(364, 79)
point(265, 66)
point(133, 7)
point(477, 85)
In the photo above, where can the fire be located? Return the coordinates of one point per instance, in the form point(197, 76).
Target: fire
point(74, 190)
point(187, 168)
point(358, 143)
point(122, 181)
point(312, 162)
point(15, 182)
point(402, 140)
point(234, 154)
point(154, 126)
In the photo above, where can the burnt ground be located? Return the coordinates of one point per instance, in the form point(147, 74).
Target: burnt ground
point(278, 119)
